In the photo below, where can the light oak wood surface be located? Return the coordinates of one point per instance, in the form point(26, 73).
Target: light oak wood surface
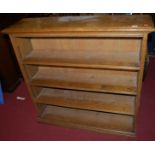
point(89, 118)
point(85, 79)
point(84, 72)
point(87, 100)
point(84, 23)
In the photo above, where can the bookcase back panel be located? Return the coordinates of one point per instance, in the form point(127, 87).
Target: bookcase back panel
point(99, 50)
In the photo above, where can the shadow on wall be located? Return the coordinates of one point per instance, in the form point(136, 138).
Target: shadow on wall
point(1, 95)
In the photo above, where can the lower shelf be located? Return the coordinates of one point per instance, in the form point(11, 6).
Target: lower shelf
point(121, 104)
point(92, 120)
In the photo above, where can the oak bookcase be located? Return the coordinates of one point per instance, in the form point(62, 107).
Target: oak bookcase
point(86, 71)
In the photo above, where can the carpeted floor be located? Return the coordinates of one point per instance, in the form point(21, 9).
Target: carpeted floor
point(18, 118)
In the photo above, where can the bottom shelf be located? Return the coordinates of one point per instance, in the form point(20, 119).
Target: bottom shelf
point(86, 119)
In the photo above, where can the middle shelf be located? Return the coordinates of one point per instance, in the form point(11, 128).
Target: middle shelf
point(110, 81)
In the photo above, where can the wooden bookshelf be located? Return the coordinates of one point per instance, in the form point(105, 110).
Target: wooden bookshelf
point(84, 72)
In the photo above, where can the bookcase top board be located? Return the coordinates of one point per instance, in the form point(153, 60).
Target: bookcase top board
point(96, 23)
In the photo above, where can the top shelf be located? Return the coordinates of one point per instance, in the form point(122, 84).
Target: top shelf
point(57, 58)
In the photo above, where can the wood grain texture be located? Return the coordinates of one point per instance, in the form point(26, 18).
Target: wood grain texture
point(45, 58)
point(84, 72)
point(81, 34)
point(86, 79)
point(86, 118)
point(95, 53)
point(87, 100)
point(24, 46)
point(140, 76)
point(88, 23)
point(18, 52)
